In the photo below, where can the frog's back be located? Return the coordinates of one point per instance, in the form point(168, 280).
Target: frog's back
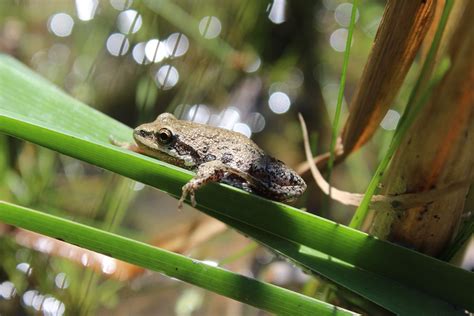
point(277, 181)
point(214, 143)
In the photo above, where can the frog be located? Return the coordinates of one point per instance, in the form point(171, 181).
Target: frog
point(216, 155)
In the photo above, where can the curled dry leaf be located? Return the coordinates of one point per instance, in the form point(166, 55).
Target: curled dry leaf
point(391, 56)
point(393, 203)
point(437, 150)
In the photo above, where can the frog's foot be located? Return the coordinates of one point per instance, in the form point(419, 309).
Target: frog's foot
point(202, 178)
point(212, 171)
point(188, 189)
point(125, 145)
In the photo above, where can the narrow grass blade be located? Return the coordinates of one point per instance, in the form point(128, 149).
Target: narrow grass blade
point(342, 85)
point(250, 291)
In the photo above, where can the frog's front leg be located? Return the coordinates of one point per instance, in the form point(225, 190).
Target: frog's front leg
point(212, 171)
point(125, 145)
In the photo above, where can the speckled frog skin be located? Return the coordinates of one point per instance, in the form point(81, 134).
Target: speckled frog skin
point(217, 154)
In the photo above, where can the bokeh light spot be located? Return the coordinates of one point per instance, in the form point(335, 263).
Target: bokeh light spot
point(211, 263)
point(189, 303)
point(61, 24)
point(177, 44)
point(343, 12)
point(108, 265)
point(121, 4)
point(7, 290)
point(61, 280)
point(156, 51)
point(38, 301)
point(390, 120)
point(24, 267)
point(330, 4)
point(253, 66)
point(86, 9)
point(198, 113)
point(29, 296)
point(338, 40)
point(52, 306)
point(138, 186)
point(279, 102)
point(85, 259)
point(138, 54)
point(167, 77)
point(210, 27)
point(277, 11)
point(229, 117)
point(256, 122)
point(242, 128)
point(126, 19)
point(117, 44)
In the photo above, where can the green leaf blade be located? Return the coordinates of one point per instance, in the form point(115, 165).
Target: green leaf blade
point(259, 294)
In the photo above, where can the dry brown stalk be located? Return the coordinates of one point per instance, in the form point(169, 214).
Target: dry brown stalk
point(401, 32)
point(436, 151)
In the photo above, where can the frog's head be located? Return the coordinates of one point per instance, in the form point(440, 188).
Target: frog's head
point(159, 139)
point(157, 135)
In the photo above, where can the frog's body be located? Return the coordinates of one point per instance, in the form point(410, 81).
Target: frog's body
point(217, 154)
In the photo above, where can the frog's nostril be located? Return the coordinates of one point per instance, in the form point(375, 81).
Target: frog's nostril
point(141, 133)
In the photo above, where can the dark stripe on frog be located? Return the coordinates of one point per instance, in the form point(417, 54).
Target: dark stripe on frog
point(185, 149)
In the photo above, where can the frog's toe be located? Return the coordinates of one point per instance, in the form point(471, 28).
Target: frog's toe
point(193, 198)
point(180, 204)
point(114, 141)
point(181, 201)
point(188, 189)
point(124, 145)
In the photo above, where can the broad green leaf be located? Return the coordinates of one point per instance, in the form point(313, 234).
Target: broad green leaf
point(34, 110)
point(395, 297)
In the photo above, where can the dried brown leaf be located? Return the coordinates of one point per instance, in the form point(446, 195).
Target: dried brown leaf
point(437, 150)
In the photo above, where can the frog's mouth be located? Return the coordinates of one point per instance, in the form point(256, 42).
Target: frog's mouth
point(146, 142)
point(141, 134)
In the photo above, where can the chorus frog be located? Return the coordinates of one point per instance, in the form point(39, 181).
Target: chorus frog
point(216, 155)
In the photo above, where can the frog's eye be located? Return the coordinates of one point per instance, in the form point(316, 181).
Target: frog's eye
point(164, 136)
